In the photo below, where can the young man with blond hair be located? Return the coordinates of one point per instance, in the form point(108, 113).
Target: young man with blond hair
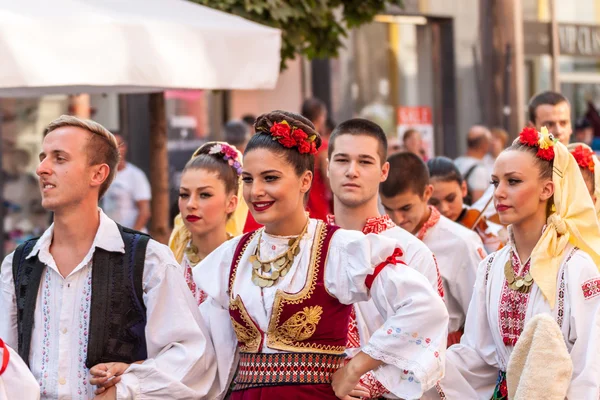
point(90, 297)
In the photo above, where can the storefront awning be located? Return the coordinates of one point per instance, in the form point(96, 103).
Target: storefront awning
point(132, 46)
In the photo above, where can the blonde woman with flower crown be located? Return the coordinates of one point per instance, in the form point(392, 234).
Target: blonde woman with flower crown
point(208, 198)
point(279, 298)
point(548, 267)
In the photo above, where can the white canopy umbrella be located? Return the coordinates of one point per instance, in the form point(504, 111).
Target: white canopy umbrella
point(129, 46)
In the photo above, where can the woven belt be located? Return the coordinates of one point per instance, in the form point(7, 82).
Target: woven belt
point(271, 369)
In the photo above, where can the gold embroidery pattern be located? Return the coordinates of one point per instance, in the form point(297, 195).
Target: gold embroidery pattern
point(249, 336)
point(301, 325)
point(278, 337)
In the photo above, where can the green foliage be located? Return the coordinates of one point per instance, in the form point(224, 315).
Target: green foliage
point(313, 28)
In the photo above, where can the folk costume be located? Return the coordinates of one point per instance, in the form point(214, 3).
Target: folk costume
point(560, 279)
point(292, 335)
point(364, 318)
point(110, 308)
point(282, 304)
point(458, 251)
point(180, 241)
point(16, 381)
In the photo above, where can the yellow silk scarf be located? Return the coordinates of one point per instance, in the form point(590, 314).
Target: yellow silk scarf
point(235, 224)
point(573, 221)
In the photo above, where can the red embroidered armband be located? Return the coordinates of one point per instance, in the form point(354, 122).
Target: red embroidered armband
point(591, 288)
point(393, 259)
point(5, 357)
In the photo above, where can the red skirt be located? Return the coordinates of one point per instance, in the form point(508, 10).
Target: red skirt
point(319, 391)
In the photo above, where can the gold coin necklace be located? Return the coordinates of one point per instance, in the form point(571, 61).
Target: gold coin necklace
point(520, 284)
point(267, 273)
point(191, 251)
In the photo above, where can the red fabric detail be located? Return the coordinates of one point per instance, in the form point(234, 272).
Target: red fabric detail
point(237, 314)
point(353, 334)
point(454, 337)
point(393, 259)
point(378, 224)
point(375, 388)
point(5, 357)
point(591, 288)
point(265, 369)
point(251, 225)
point(513, 307)
point(332, 329)
point(296, 392)
point(440, 283)
point(434, 218)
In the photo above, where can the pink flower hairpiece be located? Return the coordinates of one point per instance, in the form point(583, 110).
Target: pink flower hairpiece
point(230, 154)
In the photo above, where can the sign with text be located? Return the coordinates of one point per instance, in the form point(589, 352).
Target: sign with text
point(420, 119)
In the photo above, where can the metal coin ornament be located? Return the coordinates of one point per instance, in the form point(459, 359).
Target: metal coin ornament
point(521, 284)
point(191, 251)
point(267, 273)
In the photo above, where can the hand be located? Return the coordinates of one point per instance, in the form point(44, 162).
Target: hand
point(108, 394)
point(107, 375)
point(345, 382)
point(359, 392)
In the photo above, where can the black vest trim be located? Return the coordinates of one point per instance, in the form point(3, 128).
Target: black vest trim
point(117, 310)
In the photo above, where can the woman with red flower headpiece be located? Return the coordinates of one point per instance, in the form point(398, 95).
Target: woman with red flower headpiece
point(280, 297)
point(586, 159)
point(549, 267)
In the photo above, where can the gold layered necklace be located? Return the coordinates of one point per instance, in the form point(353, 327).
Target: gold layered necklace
point(192, 252)
point(267, 273)
point(520, 284)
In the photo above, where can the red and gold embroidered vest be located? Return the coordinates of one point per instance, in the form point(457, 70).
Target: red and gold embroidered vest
point(311, 320)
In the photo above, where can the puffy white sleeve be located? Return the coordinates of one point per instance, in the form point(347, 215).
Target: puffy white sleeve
point(8, 303)
point(181, 358)
point(412, 341)
point(17, 382)
point(583, 295)
point(471, 366)
point(212, 276)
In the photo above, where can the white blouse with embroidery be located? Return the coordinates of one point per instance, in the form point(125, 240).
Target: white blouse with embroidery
point(412, 340)
point(495, 315)
point(180, 360)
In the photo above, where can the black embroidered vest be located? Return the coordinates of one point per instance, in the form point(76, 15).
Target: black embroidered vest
point(117, 310)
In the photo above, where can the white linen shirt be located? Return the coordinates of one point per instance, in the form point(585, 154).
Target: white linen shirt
point(180, 354)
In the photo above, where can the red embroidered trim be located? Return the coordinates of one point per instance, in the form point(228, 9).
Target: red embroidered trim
point(5, 357)
point(513, 307)
point(378, 224)
point(375, 388)
point(373, 225)
point(393, 259)
point(269, 369)
point(434, 218)
point(353, 334)
point(591, 288)
point(440, 283)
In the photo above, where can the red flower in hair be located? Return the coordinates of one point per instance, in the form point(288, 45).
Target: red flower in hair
point(546, 154)
point(584, 157)
point(299, 135)
point(529, 136)
point(283, 133)
point(304, 147)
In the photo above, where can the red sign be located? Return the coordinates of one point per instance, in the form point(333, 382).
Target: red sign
point(414, 115)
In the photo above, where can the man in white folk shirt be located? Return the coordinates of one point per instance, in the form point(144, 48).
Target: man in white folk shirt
point(94, 308)
point(458, 250)
point(356, 166)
